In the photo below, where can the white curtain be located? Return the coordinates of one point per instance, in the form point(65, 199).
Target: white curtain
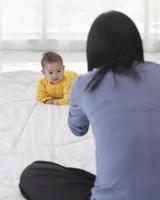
point(64, 24)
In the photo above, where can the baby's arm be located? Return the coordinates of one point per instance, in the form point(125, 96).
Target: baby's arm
point(42, 94)
point(66, 93)
point(67, 89)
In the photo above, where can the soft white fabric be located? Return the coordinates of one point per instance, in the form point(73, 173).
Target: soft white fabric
point(32, 131)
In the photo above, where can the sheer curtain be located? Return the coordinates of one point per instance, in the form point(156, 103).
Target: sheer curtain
point(63, 25)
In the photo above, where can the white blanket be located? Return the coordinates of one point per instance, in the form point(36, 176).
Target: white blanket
point(31, 131)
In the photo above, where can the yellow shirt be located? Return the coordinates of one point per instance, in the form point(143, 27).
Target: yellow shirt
point(59, 91)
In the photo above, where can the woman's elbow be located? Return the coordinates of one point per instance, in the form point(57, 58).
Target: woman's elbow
point(78, 130)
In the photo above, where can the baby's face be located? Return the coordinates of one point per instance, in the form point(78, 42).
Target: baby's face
point(53, 72)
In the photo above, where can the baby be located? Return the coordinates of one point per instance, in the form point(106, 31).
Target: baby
point(55, 87)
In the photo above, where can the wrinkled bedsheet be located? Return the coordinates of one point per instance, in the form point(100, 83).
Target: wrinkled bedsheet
point(31, 131)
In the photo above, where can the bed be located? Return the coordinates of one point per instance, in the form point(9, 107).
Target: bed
point(31, 131)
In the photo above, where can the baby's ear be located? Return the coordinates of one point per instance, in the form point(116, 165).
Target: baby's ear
point(63, 66)
point(42, 71)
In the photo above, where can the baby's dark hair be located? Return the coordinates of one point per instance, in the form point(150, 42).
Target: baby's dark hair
point(50, 57)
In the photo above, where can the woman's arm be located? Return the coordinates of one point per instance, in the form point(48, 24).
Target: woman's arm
point(77, 119)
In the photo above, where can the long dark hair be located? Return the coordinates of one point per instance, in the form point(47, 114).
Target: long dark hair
point(113, 44)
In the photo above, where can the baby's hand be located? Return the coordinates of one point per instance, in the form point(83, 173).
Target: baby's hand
point(50, 101)
point(55, 102)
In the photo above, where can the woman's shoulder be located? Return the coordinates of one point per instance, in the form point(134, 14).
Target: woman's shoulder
point(82, 80)
point(148, 64)
point(87, 76)
point(148, 67)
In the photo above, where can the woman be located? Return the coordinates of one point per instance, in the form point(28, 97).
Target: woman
point(119, 98)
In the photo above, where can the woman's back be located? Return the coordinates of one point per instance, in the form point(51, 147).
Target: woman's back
point(125, 118)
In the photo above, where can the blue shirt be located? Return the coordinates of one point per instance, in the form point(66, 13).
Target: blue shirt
point(125, 120)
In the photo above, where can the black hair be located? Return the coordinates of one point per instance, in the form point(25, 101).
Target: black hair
point(50, 57)
point(113, 44)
